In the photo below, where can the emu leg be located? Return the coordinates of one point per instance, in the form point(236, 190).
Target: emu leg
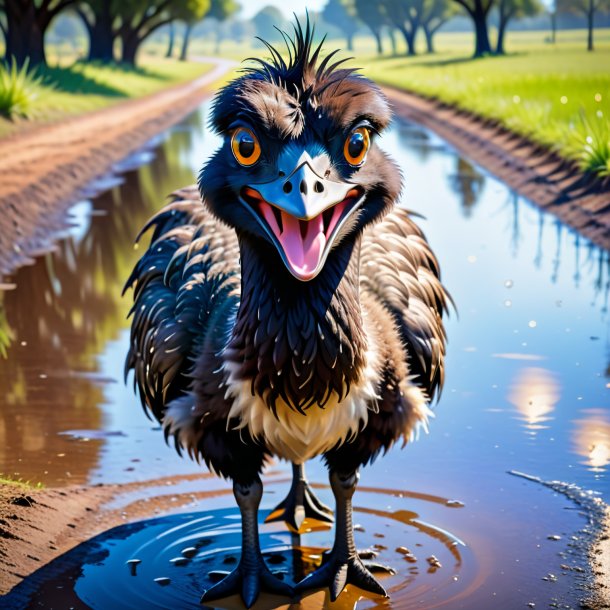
point(343, 566)
point(251, 574)
point(300, 503)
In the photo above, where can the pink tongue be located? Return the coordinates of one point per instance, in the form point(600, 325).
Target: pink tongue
point(302, 253)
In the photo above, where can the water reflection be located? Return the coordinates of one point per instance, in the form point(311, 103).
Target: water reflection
point(66, 309)
point(467, 182)
point(535, 392)
point(591, 439)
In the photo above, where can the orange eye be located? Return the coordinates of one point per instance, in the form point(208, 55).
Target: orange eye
point(245, 146)
point(356, 146)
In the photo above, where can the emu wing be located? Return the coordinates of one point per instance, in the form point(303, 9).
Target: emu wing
point(399, 269)
point(186, 294)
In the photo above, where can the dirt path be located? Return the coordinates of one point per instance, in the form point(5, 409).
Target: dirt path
point(542, 177)
point(42, 171)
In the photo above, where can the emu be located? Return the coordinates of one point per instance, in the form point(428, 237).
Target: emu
point(287, 308)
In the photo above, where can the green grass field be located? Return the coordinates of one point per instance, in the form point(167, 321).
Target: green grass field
point(558, 95)
point(81, 87)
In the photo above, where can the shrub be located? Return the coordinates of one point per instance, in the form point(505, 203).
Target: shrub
point(19, 90)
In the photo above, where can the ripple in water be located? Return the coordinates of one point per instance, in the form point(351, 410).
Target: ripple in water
point(167, 562)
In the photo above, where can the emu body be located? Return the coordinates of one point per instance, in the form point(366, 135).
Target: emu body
point(285, 308)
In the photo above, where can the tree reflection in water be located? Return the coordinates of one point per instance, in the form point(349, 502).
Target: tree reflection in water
point(65, 310)
point(467, 182)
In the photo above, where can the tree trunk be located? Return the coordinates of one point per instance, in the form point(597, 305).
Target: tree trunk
point(185, 41)
point(479, 16)
point(429, 33)
point(409, 37)
point(590, 14)
point(101, 36)
point(170, 46)
point(350, 42)
point(553, 26)
point(25, 34)
point(131, 44)
point(392, 36)
point(501, 31)
point(377, 35)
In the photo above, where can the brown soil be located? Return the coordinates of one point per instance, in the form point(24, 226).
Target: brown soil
point(557, 185)
point(42, 171)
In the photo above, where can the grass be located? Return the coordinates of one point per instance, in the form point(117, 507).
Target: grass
point(19, 90)
point(557, 95)
point(20, 483)
point(83, 87)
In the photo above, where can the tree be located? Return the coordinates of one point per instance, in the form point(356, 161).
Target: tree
point(478, 11)
point(99, 17)
point(509, 9)
point(139, 19)
point(342, 14)
point(266, 21)
point(435, 14)
point(191, 12)
point(406, 16)
point(24, 26)
point(221, 11)
point(372, 13)
point(171, 40)
point(553, 15)
point(588, 8)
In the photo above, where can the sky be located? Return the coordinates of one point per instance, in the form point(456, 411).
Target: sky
point(251, 7)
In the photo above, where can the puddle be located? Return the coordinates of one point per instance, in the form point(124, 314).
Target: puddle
point(167, 562)
point(527, 380)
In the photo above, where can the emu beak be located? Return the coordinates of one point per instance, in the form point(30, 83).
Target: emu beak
point(302, 214)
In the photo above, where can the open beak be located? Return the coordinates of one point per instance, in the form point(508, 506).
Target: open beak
point(302, 214)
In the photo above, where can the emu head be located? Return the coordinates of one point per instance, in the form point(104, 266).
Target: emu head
point(299, 166)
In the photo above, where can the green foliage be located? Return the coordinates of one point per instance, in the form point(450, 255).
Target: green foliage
point(342, 14)
point(19, 90)
point(265, 22)
point(221, 10)
point(191, 11)
point(20, 483)
point(589, 143)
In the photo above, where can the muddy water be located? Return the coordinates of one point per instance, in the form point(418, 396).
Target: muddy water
point(527, 389)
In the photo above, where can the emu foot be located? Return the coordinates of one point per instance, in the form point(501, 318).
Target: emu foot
point(337, 572)
point(248, 579)
point(301, 503)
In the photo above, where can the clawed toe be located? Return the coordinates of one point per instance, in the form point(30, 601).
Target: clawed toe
point(301, 503)
point(248, 583)
point(336, 574)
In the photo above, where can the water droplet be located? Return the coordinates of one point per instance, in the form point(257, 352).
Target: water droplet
point(508, 284)
point(563, 99)
point(516, 99)
point(508, 303)
point(472, 258)
point(532, 324)
point(163, 581)
point(189, 551)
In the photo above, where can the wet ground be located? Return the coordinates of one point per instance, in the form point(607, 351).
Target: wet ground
point(527, 389)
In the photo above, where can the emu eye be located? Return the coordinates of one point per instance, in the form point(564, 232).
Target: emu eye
point(356, 146)
point(245, 146)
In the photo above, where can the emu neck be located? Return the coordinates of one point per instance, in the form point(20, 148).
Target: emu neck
point(298, 341)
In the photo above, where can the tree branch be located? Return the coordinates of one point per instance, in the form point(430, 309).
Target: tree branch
point(156, 26)
point(464, 5)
